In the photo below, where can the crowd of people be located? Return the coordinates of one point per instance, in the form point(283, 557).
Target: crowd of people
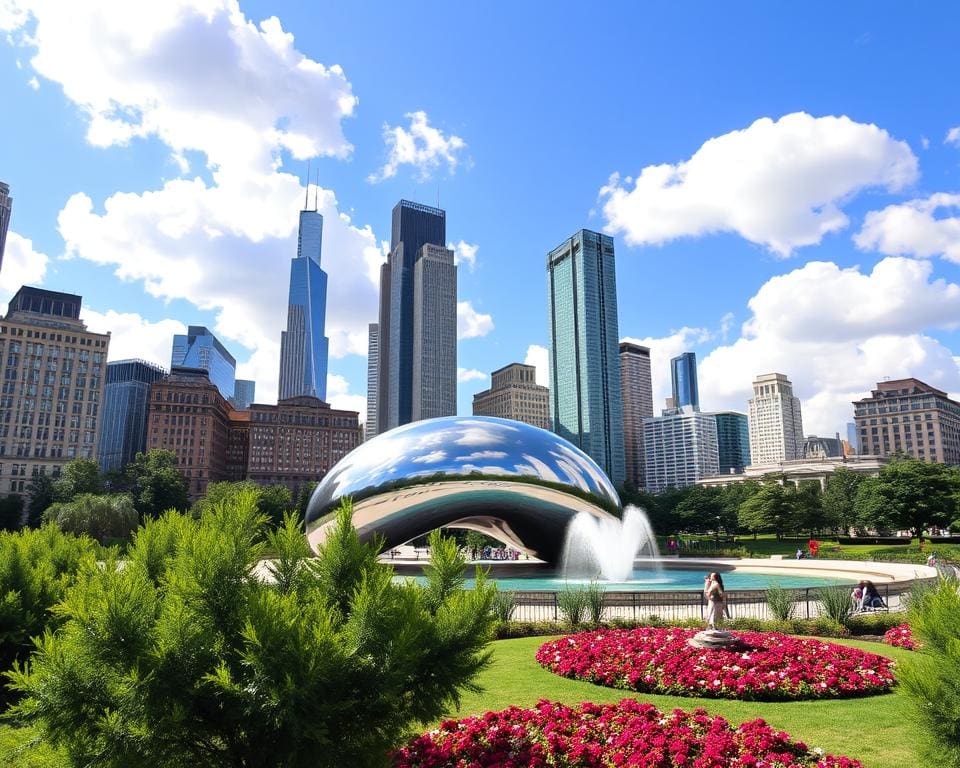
point(494, 553)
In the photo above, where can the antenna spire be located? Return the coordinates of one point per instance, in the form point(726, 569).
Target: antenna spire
point(306, 192)
point(316, 190)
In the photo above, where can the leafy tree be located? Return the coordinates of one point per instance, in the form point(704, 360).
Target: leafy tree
point(303, 498)
point(930, 677)
point(699, 508)
point(731, 497)
point(840, 496)
point(78, 476)
point(35, 568)
point(770, 509)
point(156, 483)
point(185, 656)
point(916, 493)
point(273, 501)
point(105, 517)
point(808, 511)
point(11, 513)
point(41, 494)
point(870, 508)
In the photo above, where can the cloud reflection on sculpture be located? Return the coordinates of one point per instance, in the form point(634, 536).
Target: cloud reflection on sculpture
point(510, 479)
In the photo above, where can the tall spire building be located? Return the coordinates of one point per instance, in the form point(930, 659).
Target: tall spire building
point(304, 346)
point(585, 398)
point(683, 380)
point(414, 226)
point(6, 209)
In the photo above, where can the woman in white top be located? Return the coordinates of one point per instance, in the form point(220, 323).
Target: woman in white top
point(713, 591)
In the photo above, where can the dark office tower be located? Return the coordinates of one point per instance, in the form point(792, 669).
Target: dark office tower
point(636, 388)
point(733, 442)
point(414, 226)
point(585, 403)
point(383, 353)
point(6, 208)
point(304, 345)
point(683, 373)
point(126, 398)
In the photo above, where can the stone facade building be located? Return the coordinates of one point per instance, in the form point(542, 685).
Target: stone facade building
point(775, 423)
point(515, 394)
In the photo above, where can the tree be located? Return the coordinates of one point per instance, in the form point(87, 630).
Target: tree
point(731, 497)
point(303, 498)
point(273, 501)
point(104, 517)
point(156, 483)
point(840, 496)
point(770, 509)
point(699, 509)
point(808, 512)
point(916, 494)
point(185, 656)
point(870, 508)
point(11, 513)
point(41, 493)
point(78, 476)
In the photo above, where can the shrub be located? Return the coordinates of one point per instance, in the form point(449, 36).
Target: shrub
point(780, 602)
point(572, 602)
point(503, 606)
point(184, 656)
point(930, 676)
point(35, 568)
point(837, 604)
point(104, 517)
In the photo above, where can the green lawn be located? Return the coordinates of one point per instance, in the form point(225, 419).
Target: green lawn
point(875, 730)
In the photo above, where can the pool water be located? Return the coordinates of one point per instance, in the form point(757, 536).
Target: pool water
point(668, 581)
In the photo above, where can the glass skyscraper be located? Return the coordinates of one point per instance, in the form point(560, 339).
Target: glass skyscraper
point(414, 225)
point(201, 349)
point(733, 442)
point(683, 376)
point(244, 393)
point(434, 382)
point(126, 397)
point(6, 209)
point(304, 345)
point(585, 397)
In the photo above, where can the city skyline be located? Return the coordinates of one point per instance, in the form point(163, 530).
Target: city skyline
point(178, 210)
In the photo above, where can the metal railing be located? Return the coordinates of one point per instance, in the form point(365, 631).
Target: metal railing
point(678, 606)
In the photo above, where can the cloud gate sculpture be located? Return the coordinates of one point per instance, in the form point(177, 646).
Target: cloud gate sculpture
point(510, 480)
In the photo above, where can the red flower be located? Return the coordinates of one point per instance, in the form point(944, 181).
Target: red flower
point(901, 636)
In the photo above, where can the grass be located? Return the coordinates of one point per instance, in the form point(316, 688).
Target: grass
point(876, 730)
point(765, 545)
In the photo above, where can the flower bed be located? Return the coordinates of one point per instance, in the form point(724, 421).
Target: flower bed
point(901, 636)
point(596, 736)
point(765, 666)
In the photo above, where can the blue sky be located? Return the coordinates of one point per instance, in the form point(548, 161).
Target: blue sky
point(782, 185)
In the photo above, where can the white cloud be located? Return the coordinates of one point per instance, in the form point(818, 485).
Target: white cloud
point(914, 229)
point(464, 253)
point(470, 323)
point(21, 265)
point(339, 396)
point(196, 74)
point(134, 337)
point(953, 136)
point(835, 333)
point(925, 142)
point(539, 358)
point(34, 83)
point(469, 374)
point(778, 184)
point(423, 147)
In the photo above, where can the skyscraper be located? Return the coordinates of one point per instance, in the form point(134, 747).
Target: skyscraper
point(733, 441)
point(304, 345)
point(373, 365)
point(680, 448)
point(413, 226)
point(515, 394)
point(683, 376)
point(636, 391)
point(434, 387)
point(199, 348)
point(6, 209)
point(244, 393)
point(776, 426)
point(585, 404)
point(52, 369)
point(123, 433)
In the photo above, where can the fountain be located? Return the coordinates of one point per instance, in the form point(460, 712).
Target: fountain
point(606, 549)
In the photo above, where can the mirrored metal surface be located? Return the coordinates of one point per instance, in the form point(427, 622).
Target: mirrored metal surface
point(515, 481)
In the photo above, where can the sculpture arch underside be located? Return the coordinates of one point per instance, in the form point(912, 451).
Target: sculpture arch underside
point(528, 517)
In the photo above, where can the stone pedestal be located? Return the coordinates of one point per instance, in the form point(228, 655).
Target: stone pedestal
point(713, 639)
